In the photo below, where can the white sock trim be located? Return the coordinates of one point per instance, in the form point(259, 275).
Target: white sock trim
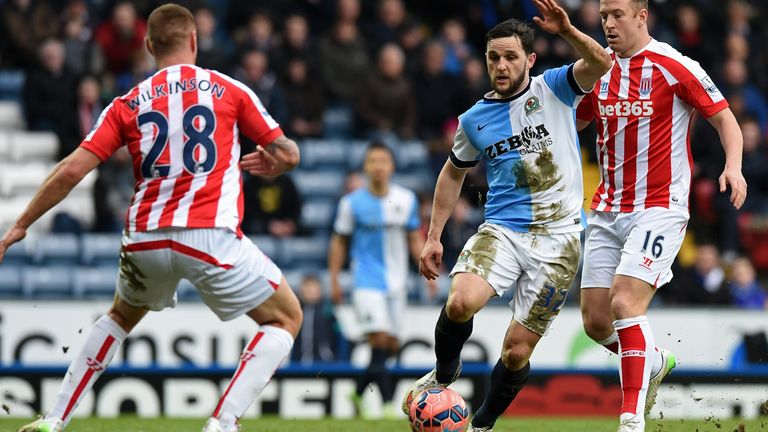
point(620, 324)
point(111, 327)
point(614, 337)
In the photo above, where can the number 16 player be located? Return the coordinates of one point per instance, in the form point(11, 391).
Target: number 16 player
point(525, 131)
point(643, 109)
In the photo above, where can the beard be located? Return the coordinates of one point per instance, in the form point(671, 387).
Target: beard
point(514, 86)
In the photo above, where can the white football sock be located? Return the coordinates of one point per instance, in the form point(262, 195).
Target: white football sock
point(258, 363)
point(657, 364)
point(100, 346)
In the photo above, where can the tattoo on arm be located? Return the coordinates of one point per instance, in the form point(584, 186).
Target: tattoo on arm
point(280, 143)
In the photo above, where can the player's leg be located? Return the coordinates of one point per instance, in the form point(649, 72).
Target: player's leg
point(549, 265)
point(630, 298)
point(469, 293)
point(279, 319)
point(101, 343)
point(509, 375)
point(602, 254)
point(485, 268)
point(143, 283)
point(653, 238)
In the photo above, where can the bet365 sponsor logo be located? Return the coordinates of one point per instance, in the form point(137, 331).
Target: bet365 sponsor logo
point(626, 108)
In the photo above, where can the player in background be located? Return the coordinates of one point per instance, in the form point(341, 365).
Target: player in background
point(378, 225)
point(181, 127)
point(643, 108)
point(525, 131)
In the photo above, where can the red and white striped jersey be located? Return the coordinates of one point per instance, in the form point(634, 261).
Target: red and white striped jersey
point(643, 108)
point(181, 127)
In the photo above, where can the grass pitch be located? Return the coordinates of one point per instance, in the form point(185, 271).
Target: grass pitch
point(273, 424)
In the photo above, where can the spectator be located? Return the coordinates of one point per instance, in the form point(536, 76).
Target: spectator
point(121, 38)
point(391, 16)
point(746, 292)
point(411, 39)
point(258, 35)
point(254, 72)
point(457, 49)
point(345, 61)
point(49, 97)
point(24, 25)
point(305, 100)
point(212, 50)
point(295, 43)
point(475, 82)
point(589, 21)
point(82, 56)
point(386, 105)
point(737, 81)
point(89, 104)
point(317, 339)
point(690, 38)
point(348, 11)
point(436, 92)
point(702, 284)
point(272, 206)
point(755, 162)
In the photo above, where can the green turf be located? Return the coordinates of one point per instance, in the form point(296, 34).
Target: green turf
point(272, 424)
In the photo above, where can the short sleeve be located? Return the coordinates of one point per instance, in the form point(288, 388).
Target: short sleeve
point(345, 218)
point(563, 84)
point(414, 222)
point(254, 120)
point(106, 136)
point(697, 89)
point(463, 153)
point(586, 108)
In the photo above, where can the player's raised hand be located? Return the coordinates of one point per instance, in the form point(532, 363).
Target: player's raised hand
point(261, 163)
point(554, 19)
point(431, 258)
point(13, 235)
point(733, 177)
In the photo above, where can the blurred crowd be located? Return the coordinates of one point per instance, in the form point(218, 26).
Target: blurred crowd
point(395, 70)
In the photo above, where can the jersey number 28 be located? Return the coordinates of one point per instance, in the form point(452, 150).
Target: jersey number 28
point(202, 162)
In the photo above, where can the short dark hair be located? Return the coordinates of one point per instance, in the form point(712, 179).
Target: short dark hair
point(512, 27)
point(640, 4)
point(168, 27)
point(378, 145)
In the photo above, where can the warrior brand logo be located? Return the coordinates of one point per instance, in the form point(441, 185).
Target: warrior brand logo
point(530, 140)
point(625, 108)
point(633, 353)
point(647, 262)
point(246, 356)
point(94, 365)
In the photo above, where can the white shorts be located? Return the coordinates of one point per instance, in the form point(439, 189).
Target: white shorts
point(232, 275)
point(540, 267)
point(640, 244)
point(379, 311)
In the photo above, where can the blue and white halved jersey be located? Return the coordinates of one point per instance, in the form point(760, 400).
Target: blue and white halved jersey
point(531, 150)
point(379, 227)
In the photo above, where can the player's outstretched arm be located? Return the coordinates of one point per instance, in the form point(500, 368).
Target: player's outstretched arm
point(337, 253)
point(733, 144)
point(280, 156)
point(64, 177)
point(446, 194)
point(594, 62)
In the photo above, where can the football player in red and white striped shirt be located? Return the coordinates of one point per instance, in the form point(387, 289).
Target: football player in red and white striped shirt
point(181, 127)
point(643, 108)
